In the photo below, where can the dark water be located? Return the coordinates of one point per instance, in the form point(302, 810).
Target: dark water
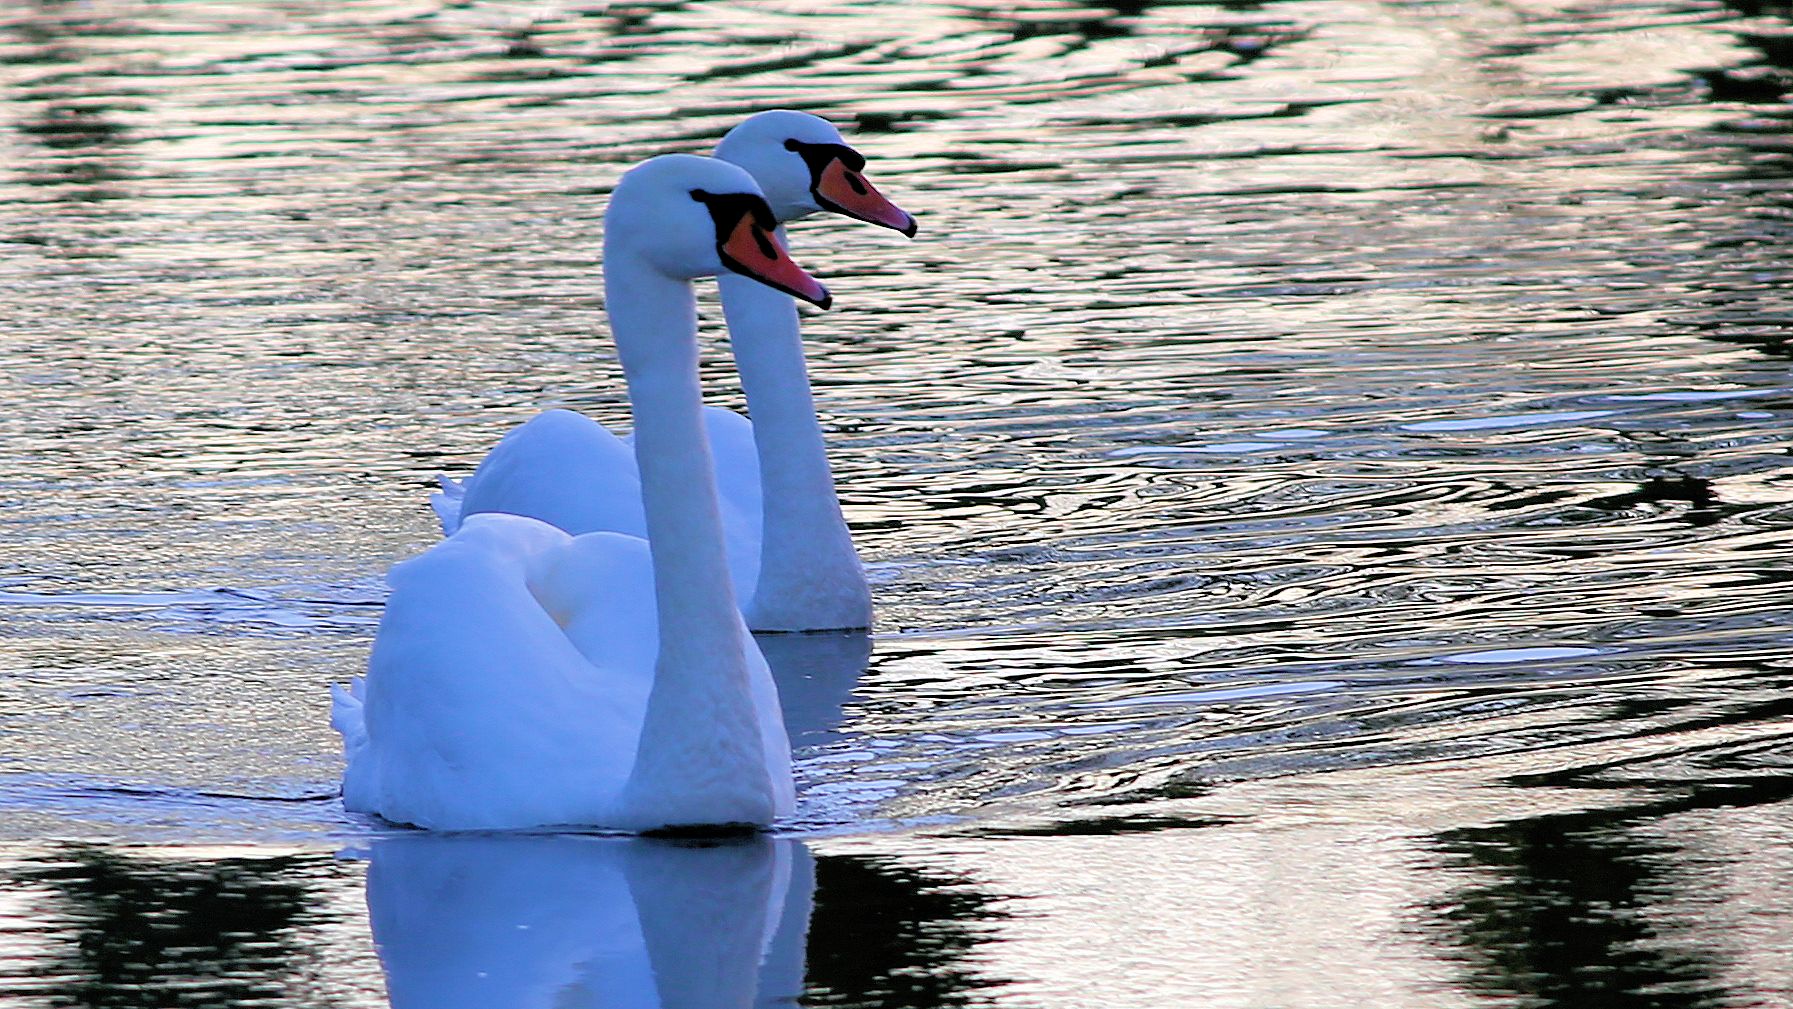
point(1325, 468)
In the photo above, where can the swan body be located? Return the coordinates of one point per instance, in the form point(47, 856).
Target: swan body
point(523, 676)
point(790, 553)
point(574, 473)
point(514, 663)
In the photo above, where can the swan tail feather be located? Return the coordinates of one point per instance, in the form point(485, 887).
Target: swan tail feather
point(348, 713)
point(447, 503)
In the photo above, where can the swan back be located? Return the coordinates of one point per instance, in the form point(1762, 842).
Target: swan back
point(563, 468)
point(479, 712)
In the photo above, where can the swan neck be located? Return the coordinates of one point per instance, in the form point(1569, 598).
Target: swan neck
point(768, 350)
point(804, 541)
point(700, 760)
point(654, 319)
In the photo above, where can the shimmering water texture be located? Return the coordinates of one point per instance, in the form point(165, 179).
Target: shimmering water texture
point(1324, 466)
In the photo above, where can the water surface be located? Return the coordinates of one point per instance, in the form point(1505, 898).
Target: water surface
point(1324, 466)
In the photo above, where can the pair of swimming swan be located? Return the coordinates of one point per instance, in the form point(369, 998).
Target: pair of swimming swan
point(790, 557)
point(543, 666)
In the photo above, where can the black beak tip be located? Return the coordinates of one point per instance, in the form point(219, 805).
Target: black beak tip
point(825, 302)
point(909, 232)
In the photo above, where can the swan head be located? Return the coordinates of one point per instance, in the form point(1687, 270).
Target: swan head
point(691, 216)
point(804, 167)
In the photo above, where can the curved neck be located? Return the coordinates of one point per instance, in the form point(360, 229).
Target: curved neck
point(700, 739)
point(768, 349)
point(804, 540)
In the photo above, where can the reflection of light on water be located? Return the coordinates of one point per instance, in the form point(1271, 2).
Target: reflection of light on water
point(1213, 696)
point(1220, 448)
point(1517, 420)
point(1695, 397)
point(219, 925)
point(1737, 892)
point(1351, 889)
point(190, 611)
point(1514, 655)
point(24, 945)
point(1271, 395)
point(1216, 917)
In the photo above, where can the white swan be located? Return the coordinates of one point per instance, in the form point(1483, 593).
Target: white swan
point(523, 677)
point(790, 555)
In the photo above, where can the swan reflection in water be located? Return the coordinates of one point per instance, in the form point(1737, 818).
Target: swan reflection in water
point(574, 921)
point(816, 674)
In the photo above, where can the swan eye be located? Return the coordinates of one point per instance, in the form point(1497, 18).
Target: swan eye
point(819, 156)
point(729, 211)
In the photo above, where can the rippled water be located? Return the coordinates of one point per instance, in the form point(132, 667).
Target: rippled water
point(1325, 468)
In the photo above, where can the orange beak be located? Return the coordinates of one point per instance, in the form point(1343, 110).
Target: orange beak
point(846, 191)
point(755, 252)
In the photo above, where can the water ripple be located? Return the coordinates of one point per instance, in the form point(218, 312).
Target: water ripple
point(1272, 389)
